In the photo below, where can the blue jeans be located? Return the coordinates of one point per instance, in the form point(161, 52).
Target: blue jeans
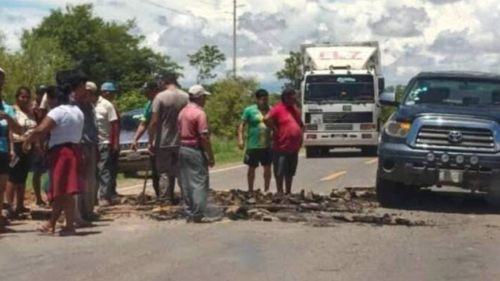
point(107, 171)
point(194, 181)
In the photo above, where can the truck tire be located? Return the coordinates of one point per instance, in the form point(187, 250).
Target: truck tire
point(369, 150)
point(391, 194)
point(312, 152)
point(493, 198)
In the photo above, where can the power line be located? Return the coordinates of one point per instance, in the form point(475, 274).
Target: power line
point(234, 39)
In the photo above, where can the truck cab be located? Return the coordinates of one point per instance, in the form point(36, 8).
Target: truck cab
point(339, 94)
point(444, 132)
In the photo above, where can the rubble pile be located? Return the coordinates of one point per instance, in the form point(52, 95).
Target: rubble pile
point(352, 205)
point(348, 205)
point(344, 205)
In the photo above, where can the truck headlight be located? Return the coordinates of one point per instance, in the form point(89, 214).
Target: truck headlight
point(397, 129)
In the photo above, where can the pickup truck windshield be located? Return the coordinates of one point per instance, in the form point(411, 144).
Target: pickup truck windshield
point(454, 91)
point(339, 88)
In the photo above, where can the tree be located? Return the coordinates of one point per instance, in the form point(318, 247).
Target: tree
point(225, 105)
point(106, 51)
point(292, 71)
point(205, 60)
point(35, 64)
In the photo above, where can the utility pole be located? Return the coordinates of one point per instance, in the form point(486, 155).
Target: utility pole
point(234, 39)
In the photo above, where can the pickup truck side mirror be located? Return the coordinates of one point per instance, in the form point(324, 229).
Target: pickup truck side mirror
point(388, 98)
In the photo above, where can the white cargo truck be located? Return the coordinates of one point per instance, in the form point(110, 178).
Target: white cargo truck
point(339, 93)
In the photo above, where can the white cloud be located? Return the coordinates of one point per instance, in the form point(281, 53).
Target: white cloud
point(414, 34)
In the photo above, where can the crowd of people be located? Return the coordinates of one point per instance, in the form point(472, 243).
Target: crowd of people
point(72, 131)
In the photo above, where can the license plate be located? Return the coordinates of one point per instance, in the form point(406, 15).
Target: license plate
point(451, 176)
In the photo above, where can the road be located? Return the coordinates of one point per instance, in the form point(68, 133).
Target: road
point(462, 243)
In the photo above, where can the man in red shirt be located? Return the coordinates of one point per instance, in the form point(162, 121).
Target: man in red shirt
point(195, 154)
point(284, 119)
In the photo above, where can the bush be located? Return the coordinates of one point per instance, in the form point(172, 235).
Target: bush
point(224, 107)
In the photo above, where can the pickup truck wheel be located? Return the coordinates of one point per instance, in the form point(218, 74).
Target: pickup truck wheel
point(390, 193)
point(369, 150)
point(493, 198)
point(312, 152)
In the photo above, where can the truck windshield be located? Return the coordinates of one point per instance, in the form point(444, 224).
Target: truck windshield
point(454, 91)
point(339, 88)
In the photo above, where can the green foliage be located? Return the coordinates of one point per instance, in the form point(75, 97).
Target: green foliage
point(205, 60)
point(388, 110)
point(226, 150)
point(36, 64)
point(292, 71)
point(106, 51)
point(224, 107)
point(131, 100)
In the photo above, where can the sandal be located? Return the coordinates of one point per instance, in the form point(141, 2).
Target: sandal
point(41, 204)
point(46, 229)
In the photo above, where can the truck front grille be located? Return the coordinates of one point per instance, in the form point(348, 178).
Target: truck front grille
point(469, 139)
point(348, 117)
point(339, 127)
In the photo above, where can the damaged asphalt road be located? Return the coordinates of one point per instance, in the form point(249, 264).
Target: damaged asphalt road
point(314, 235)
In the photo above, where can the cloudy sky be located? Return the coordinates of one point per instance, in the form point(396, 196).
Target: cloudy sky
point(414, 34)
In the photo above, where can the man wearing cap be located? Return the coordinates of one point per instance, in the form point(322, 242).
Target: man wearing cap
point(108, 126)
point(90, 140)
point(164, 135)
point(150, 89)
point(195, 154)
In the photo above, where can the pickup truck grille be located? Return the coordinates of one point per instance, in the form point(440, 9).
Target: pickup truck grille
point(348, 117)
point(470, 139)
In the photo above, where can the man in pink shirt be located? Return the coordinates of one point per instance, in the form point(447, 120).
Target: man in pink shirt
point(195, 154)
point(284, 119)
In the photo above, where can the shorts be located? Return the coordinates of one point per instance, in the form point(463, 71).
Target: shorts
point(167, 161)
point(285, 164)
point(19, 173)
point(254, 157)
point(4, 163)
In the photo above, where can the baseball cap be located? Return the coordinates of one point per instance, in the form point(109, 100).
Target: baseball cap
point(91, 86)
point(108, 87)
point(198, 91)
point(149, 86)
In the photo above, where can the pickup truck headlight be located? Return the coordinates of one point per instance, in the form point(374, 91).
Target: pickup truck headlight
point(397, 129)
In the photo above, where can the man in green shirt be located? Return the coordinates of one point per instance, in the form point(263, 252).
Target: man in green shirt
point(150, 89)
point(257, 140)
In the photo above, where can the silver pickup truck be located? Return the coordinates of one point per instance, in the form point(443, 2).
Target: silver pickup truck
point(445, 131)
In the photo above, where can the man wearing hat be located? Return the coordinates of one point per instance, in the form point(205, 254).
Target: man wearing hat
point(195, 155)
point(108, 126)
point(150, 89)
point(164, 135)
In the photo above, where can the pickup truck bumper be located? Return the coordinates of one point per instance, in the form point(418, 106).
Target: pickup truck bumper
point(341, 139)
point(400, 163)
point(134, 161)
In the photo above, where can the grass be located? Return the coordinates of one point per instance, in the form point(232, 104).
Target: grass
point(226, 151)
